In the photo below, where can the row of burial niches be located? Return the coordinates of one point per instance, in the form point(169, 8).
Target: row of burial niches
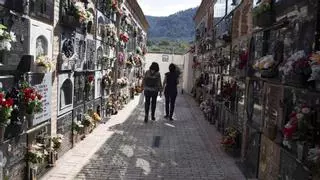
point(26, 67)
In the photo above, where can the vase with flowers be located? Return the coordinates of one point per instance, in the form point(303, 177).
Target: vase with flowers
point(89, 85)
point(229, 140)
point(6, 38)
point(43, 64)
point(32, 101)
point(266, 66)
point(297, 128)
point(296, 69)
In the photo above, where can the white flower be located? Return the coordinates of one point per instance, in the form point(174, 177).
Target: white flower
point(305, 110)
point(1, 32)
point(13, 37)
point(300, 116)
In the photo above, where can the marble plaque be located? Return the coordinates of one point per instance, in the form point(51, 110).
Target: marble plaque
point(45, 89)
point(64, 127)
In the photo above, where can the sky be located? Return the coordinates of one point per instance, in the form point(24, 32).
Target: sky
point(166, 7)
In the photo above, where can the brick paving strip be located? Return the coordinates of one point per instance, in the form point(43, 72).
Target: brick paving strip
point(127, 148)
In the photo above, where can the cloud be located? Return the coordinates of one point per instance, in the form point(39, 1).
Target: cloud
point(166, 7)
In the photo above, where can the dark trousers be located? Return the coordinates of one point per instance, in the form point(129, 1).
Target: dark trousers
point(150, 96)
point(170, 102)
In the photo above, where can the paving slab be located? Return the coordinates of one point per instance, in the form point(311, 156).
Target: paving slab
point(126, 148)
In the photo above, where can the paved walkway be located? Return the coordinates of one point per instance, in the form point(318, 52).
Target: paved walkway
point(126, 148)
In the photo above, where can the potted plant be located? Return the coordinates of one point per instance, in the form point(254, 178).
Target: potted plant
point(6, 38)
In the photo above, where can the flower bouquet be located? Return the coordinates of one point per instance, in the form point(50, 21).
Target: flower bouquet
point(229, 139)
point(266, 66)
point(6, 38)
point(107, 81)
point(296, 69)
point(122, 82)
point(88, 123)
point(32, 100)
point(89, 83)
point(124, 37)
point(77, 127)
point(298, 125)
point(6, 108)
point(81, 13)
point(137, 61)
point(37, 154)
point(43, 64)
point(56, 141)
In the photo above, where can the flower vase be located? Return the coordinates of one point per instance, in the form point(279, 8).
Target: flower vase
point(2, 131)
point(317, 85)
point(29, 118)
point(53, 157)
point(32, 171)
point(41, 69)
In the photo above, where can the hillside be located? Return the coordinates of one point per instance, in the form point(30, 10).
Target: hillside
point(178, 26)
point(172, 32)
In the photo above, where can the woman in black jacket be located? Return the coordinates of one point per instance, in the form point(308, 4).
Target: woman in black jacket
point(170, 89)
point(152, 86)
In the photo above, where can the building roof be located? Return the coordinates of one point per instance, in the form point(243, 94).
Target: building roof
point(138, 13)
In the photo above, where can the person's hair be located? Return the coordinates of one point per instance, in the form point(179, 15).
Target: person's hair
point(154, 66)
point(172, 67)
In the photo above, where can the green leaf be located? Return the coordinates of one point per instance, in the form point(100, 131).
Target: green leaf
point(3, 26)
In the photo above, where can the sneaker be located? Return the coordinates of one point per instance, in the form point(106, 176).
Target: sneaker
point(166, 116)
point(171, 119)
point(146, 119)
point(153, 118)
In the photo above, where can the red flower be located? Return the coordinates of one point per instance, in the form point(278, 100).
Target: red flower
point(90, 78)
point(293, 115)
point(9, 102)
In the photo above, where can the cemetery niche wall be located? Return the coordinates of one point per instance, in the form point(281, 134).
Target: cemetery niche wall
point(272, 49)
